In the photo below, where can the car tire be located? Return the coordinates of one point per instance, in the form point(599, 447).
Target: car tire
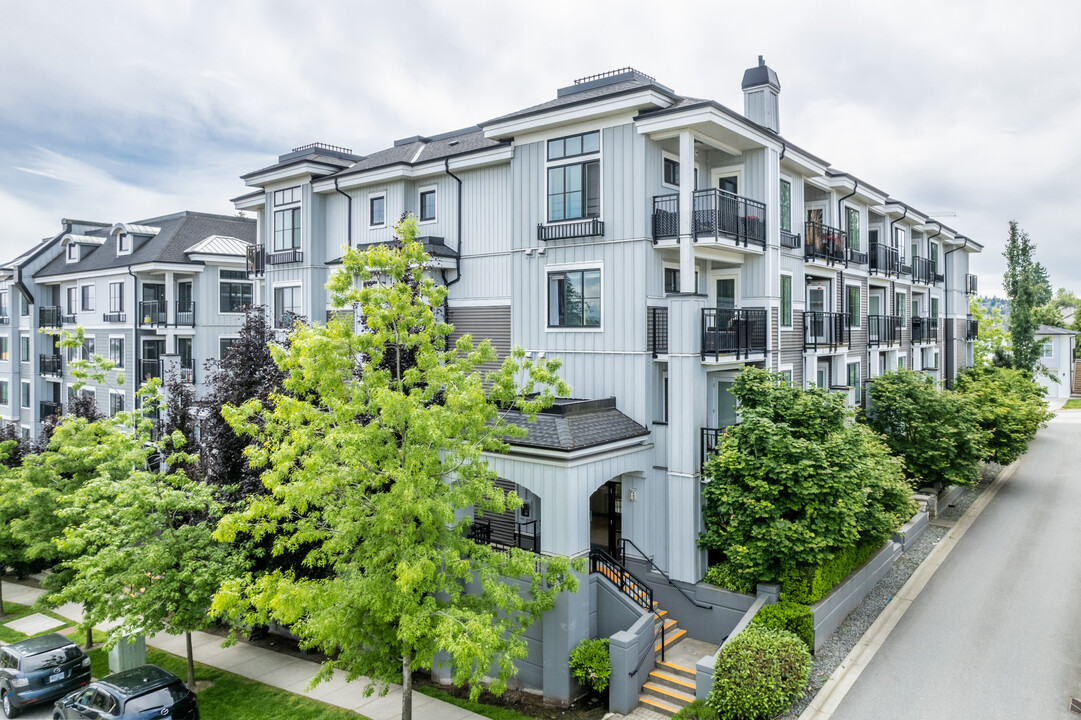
point(10, 711)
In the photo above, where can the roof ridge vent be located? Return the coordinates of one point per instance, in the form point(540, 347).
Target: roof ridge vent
point(613, 73)
point(323, 146)
point(611, 77)
point(318, 148)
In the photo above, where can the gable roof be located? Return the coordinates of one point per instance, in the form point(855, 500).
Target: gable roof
point(1051, 330)
point(219, 245)
point(572, 424)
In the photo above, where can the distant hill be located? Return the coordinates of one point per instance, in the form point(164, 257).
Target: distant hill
point(990, 303)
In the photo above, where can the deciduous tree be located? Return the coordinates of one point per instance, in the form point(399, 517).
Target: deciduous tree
point(1009, 407)
point(1024, 286)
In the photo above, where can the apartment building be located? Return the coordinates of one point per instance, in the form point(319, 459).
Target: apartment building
point(155, 296)
point(656, 244)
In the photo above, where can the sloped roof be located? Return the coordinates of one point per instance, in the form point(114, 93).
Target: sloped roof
point(1051, 330)
point(572, 424)
point(419, 150)
point(219, 245)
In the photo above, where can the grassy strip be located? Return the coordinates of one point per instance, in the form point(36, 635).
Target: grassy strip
point(1072, 404)
point(488, 711)
point(14, 611)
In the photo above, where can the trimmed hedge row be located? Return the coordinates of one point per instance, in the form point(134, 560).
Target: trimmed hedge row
point(808, 586)
point(792, 617)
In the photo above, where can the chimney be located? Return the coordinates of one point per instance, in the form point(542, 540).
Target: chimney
point(760, 91)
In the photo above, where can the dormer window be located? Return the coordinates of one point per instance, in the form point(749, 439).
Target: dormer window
point(73, 253)
point(123, 244)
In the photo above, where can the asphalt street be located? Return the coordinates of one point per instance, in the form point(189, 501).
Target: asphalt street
point(996, 633)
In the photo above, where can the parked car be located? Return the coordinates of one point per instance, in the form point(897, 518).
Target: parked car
point(40, 669)
point(137, 694)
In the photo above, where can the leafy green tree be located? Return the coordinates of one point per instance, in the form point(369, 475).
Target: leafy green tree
point(933, 431)
point(1025, 286)
point(1065, 299)
point(993, 338)
point(1044, 293)
point(796, 481)
point(12, 550)
point(376, 470)
point(1048, 315)
point(1009, 407)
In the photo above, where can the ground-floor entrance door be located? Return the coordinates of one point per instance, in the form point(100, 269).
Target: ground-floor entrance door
point(606, 517)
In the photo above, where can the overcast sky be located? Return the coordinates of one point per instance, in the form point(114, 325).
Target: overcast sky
point(116, 111)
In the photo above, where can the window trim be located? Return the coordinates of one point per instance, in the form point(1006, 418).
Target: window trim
point(583, 153)
point(72, 254)
point(296, 231)
point(1048, 344)
point(849, 287)
point(566, 161)
point(29, 395)
point(29, 348)
point(225, 337)
point(859, 372)
point(572, 267)
point(123, 349)
point(273, 302)
point(93, 297)
point(900, 308)
point(780, 204)
point(859, 227)
point(421, 192)
point(120, 246)
point(791, 299)
point(231, 281)
point(6, 390)
point(119, 307)
point(372, 197)
point(123, 400)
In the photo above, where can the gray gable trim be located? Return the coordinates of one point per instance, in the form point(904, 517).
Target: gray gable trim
point(1051, 330)
point(581, 98)
point(574, 425)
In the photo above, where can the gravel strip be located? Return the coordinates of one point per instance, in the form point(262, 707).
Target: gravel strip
point(846, 636)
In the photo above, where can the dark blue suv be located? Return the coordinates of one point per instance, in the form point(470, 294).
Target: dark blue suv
point(139, 694)
point(40, 669)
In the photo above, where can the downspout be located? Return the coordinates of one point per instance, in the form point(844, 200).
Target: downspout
point(784, 149)
point(946, 283)
point(458, 255)
point(18, 282)
point(349, 214)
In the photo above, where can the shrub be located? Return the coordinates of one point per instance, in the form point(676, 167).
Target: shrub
point(591, 665)
point(759, 673)
point(790, 616)
point(724, 575)
point(697, 710)
point(808, 586)
point(1009, 407)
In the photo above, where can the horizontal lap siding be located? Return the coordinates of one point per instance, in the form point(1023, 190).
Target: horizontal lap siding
point(483, 323)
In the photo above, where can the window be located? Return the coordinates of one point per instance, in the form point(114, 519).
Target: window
point(853, 227)
point(671, 172)
point(4, 349)
point(87, 298)
point(286, 229)
point(786, 300)
point(116, 297)
point(786, 377)
point(4, 399)
point(786, 205)
point(853, 305)
point(73, 294)
point(4, 304)
point(123, 244)
point(73, 253)
point(932, 252)
point(116, 402)
point(116, 351)
point(574, 190)
point(934, 308)
point(427, 205)
point(377, 209)
point(286, 305)
point(233, 296)
point(24, 348)
point(88, 347)
point(287, 196)
point(1048, 348)
point(915, 250)
point(899, 303)
point(899, 238)
point(25, 394)
point(24, 305)
point(671, 280)
point(224, 345)
point(853, 374)
point(900, 362)
point(574, 298)
point(915, 308)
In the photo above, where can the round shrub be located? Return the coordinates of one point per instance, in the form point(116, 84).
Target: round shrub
point(790, 616)
point(759, 673)
point(697, 710)
point(590, 664)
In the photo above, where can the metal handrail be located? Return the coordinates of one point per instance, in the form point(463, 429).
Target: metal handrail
point(623, 551)
point(642, 659)
point(642, 593)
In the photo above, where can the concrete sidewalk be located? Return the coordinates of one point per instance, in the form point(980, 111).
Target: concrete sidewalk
point(275, 669)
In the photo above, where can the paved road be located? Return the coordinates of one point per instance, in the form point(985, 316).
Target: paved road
point(997, 631)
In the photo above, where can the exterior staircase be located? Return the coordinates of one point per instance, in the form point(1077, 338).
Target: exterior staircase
point(670, 687)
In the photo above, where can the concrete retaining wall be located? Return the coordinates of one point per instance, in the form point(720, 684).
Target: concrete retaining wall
point(911, 531)
point(830, 611)
point(627, 650)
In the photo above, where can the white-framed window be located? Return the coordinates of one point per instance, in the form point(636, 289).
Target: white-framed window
point(899, 302)
point(25, 396)
point(73, 300)
point(853, 378)
point(1048, 348)
point(574, 297)
point(235, 291)
point(25, 431)
point(90, 393)
point(4, 354)
point(377, 210)
point(88, 347)
point(934, 307)
point(901, 362)
point(123, 244)
point(288, 196)
point(5, 398)
point(116, 297)
point(116, 402)
point(932, 253)
point(852, 226)
point(786, 205)
point(24, 305)
point(87, 303)
point(4, 303)
point(426, 204)
point(287, 305)
point(24, 348)
point(786, 300)
point(224, 345)
point(785, 371)
point(286, 229)
point(574, 177)
point(116, 350)
point(853, 304)
point(73, 253)
point(671, 279)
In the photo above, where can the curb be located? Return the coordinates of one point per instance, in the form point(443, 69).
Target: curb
point(829, 698)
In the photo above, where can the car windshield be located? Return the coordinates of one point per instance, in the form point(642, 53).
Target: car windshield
point(50, 658)
point(162, 697)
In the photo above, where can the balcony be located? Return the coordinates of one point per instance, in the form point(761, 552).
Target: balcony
point(824, 330)
point(884, 260)
point(51, 409)
point(906, 269)
point(708, 442)
point(856, 257)
point(738, 331)
point(185, 313)
point(592, 227)
point(114, 317)
point(256, 261)
point(523, 535)
point(70, 319)
point(186, 372)
point(49, 316)
point(971, 284)
point(825, 244)
point(50, 365)
point(153, 313)
point(716, 214)
point(284, 256)
point(972, 329)
point(657, 330)
point(884, 330)
point(923, 271)
point(924, 330)
point(150, 369)
point(790, 240)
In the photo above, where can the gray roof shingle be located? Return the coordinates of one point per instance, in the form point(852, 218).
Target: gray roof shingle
point(574, 425)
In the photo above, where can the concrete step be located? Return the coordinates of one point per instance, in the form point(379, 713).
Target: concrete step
point(670, 639)
point(660, 706)
point(671, 680)
point(667, 694)
point(681, 671)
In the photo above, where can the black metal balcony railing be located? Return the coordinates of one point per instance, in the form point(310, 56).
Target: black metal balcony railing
point(923, 270)
point(69, 319)
point(187, 373)
point(591, 227)
point(717, 213)
point(50, 365)
point(114, 317)
point(153, 313)
point(924, 330)
point(284, 256)
point(738, 331)
point(665, 217)
point(708, 442)
point(657, 330)
point(51, 409)
point(185, 313)
point(972, 329)
point(856, 257)
point(525, 536)
point(825, 243)
point(906, 268)
point(971, 284)
point(150, 369)
point(638, 591)
point(790, 240)
point(256, 261)
point(883, 330)
point(50, 316)
point(884, 259)
point(824, 330)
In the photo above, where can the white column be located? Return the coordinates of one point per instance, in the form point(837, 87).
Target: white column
point(686, 212)
point(170, 315)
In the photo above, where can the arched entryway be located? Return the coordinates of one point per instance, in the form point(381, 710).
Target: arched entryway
point(606, 517)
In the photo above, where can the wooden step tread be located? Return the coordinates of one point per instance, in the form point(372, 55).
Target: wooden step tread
point(682, 681)
point(678, 668)
point(669, 692)
point(668, 640)
point(660, 704)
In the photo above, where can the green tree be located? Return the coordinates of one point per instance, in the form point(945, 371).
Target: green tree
point(992, 338)
point(933, 431)
point(796, 481)
point(1048, 315)
point(1024, 286)
point(1010, 408)
point(376, 469)
point(12, 549)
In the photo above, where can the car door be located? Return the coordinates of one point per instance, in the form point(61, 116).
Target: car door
point(83, 707)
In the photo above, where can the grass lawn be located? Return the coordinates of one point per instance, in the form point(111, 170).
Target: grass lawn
point(1072, 404)
point(13, 611)
point(489, 711)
